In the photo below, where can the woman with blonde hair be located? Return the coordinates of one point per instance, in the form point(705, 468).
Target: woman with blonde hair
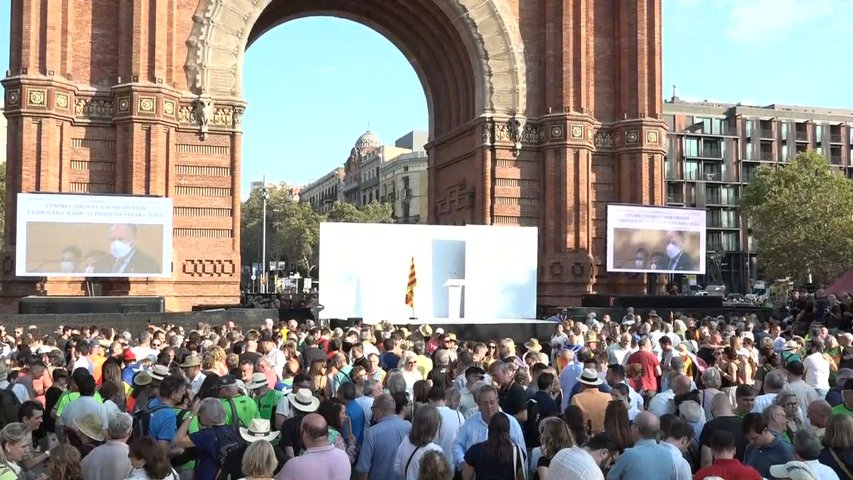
point(15, 444)
point(291, 356)
point(259, 461)
point(837, 453)
point(554, 436)
point(64, 463)
point(434, 467)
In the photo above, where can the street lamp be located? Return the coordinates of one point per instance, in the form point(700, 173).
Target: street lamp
point(265, 194)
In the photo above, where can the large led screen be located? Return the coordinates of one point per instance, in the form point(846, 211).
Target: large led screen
point(365, 270)
point(645, 239)
point(93, 236)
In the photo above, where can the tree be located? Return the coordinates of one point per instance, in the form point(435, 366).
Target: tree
point(801, 216)
point(370, 213)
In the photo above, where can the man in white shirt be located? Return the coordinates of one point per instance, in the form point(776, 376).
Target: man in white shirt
point(583, 463)
point(774, 382)
point(451, 423)
point(805, 393)
point(817, 368)
point(617, 352)
point(677, 440)
point(192, 369)
point(83, 405)
point(144, 350)
point(807, 447)
point(81, 358)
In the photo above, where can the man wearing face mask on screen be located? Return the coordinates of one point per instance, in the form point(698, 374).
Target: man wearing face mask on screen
point(126, 257)
point(677, 258)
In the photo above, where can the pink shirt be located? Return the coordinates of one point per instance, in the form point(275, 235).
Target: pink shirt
point(319, 463)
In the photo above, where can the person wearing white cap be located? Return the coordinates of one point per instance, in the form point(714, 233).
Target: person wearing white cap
point(794, 470)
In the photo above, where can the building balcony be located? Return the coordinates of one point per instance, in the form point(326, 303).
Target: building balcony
point(674, 199)
point(801, 136)
point(835, 138)
point(766, 133)
point(765, 156)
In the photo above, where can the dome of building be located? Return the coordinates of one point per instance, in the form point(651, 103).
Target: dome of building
point(368, 140)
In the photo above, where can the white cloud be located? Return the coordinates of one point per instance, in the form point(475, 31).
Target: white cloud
point(766, 20)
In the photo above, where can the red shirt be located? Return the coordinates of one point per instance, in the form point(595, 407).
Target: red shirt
point(649, 362)
point(724, 468)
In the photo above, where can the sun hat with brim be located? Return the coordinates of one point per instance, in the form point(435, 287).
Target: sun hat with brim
point(191, 361)
point(304, 401)
point(142, 379)
point(591, 337)
point(791, 345)
point(425, 330)
point(793, 470)
point(159, 372)
point(533, 344)
point(259, 429)
point(258, 381)
point(91, 426)
point(589, 377)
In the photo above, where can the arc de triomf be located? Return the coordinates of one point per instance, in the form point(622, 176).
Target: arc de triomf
point(541, 113)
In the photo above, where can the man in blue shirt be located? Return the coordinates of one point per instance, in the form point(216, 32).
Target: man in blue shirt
point(379, 449)
point(476, 428)
point(765, 448)
point(163, 424)
point(354, 411)
point(646, 460)
point(568, 379)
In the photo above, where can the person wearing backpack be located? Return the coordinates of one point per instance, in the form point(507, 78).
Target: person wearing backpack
point(162, 411)
point(235, 403)
point(215, 443)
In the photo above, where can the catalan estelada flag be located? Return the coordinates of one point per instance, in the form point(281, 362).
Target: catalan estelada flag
point(410, 287)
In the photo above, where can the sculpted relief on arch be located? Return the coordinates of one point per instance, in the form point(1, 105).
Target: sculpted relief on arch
point(221, 30)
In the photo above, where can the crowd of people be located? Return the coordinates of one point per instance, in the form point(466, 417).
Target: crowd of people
point(639, 397)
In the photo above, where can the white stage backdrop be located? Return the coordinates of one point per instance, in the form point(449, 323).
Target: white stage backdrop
point(655, 239)
point(93, 236)
point(364, 269)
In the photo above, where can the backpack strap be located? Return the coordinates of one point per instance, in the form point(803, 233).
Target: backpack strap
point(406, 470)
point(235, 419)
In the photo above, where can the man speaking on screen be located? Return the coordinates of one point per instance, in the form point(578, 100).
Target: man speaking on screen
point(678, 260)
point(125, 256)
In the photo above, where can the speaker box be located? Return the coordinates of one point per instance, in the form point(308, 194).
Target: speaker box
point(110, 304)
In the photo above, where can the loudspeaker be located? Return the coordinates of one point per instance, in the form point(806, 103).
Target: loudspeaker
point(673, 302)
point(116, 304)
point(596, 300)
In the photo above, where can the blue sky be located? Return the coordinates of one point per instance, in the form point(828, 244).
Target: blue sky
point(315, 84)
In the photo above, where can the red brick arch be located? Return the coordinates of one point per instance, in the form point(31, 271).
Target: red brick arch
point(541, 112)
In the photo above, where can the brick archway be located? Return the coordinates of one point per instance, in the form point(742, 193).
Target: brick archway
point(541, 112)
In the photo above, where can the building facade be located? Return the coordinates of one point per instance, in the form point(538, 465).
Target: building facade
point(540, 114)
point(403, 184)
point(715, 149)
point(325, 191)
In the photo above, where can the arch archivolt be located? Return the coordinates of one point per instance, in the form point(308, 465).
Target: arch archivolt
point(488, 28)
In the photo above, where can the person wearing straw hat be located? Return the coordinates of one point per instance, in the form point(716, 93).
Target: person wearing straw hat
point(192, 369)
point(90, 432)
point(591, 401)
point(425, 331)
point(272, 404)
point(258, 429)
point(533, 345)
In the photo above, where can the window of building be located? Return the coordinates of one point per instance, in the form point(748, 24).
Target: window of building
point(713, 172)
point(784, 127)
point(784, 154)
point(715, 241)
point(719, 126)
point(729, 241)
point(729, 195)
point(818, 134)
point(747, 124)
point(670, 168)
point(728, 218)
point(691, 170)
point(749, 172)
point(712, 195)
point(691, 147)
point(712, 148)
point(675, 193)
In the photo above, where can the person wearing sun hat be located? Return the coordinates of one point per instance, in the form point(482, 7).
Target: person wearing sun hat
point(425, 330)
point(258, 429)
point(533, 345)
point(302, 402)
point(90, 431)
point(591, 401)
point(272, 404)
point(793, 470)
point(192, 368)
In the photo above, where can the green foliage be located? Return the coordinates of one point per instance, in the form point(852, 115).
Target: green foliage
point(802, 219)
point(293, 228)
